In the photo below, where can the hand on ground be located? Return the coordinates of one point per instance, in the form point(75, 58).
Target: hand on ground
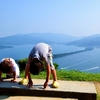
point(13, 81)
point(45, 85)
point(30, 84)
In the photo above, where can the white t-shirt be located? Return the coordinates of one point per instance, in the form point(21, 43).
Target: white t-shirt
point(42, 50)
point(15, 67)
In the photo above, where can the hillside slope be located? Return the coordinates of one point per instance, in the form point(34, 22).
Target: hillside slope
point(90, 41)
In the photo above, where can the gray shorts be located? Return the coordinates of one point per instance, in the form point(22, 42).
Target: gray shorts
point(50, 60)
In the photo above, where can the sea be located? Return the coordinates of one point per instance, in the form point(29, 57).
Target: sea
point(88, 61)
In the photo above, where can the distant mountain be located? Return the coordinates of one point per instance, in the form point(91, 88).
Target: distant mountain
point(90, 41)
point(33, 38)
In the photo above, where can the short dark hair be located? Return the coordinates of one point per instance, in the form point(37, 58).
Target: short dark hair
point(35, 67)
point(5, 66)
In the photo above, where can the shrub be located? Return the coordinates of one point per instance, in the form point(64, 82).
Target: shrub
point(22, 64)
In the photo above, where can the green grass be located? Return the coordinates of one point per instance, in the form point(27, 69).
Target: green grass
point(78, 76)
point(98, 96)
point(72, 75)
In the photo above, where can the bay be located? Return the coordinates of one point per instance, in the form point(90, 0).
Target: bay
point(88, 61)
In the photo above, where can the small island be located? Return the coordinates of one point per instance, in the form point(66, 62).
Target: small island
point(5, 46)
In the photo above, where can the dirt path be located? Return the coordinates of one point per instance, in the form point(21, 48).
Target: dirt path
point(97, 85)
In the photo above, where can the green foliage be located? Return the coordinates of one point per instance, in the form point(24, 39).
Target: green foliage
point(56, 65)
point(22, 64)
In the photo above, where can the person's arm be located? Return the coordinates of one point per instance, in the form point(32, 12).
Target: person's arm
point(14, 77)
point(47, 76)
point(30, 83)
point(53, 71)
point(0, 77)
point(28, 75)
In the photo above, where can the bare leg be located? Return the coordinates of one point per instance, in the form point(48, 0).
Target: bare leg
point(53, 71)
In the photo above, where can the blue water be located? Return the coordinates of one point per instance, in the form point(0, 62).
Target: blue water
point(88, 61)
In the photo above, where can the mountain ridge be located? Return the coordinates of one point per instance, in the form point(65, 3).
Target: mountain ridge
point(51, 38)
point(90, 41)
point(31, 38)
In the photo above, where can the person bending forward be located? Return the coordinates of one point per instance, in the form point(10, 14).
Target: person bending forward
point(40, 55)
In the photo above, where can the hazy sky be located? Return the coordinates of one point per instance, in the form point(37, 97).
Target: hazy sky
point(72, 17)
